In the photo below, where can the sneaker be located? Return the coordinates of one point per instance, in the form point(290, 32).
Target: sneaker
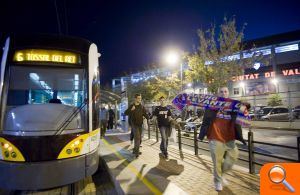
point(134, 152)
point(225, 181)
point(167, 157)
point(218, 186)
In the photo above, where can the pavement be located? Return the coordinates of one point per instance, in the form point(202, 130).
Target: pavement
point(184, 173)
point(282, 125)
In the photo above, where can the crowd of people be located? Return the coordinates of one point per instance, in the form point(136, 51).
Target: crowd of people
point(218, 126)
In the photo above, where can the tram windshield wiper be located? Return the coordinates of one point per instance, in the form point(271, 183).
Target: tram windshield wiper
point(69, 119)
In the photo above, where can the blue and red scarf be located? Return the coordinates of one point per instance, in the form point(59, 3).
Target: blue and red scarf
point(214, 103)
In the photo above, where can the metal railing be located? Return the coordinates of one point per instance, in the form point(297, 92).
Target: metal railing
point(250, 149)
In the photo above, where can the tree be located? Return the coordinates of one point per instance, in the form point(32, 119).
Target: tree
point(154, 88)
point(164, 86)
point(275, 100)
point(138, 87)
point(217, 60)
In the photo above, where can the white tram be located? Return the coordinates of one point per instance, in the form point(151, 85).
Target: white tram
point(49, 100)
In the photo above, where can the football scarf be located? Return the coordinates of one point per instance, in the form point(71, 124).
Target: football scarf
point(215, 103)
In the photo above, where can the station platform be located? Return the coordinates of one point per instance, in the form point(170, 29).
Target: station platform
point(183, 173)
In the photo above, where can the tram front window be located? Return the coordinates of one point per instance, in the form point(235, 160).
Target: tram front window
point(42, 99)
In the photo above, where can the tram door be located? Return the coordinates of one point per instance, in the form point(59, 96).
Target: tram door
point(94, 97)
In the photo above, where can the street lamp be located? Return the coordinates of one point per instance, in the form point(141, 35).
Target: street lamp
point(172, 58)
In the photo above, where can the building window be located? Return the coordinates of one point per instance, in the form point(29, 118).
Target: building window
point(236, 91)
point(286, 48)
point(257, 52)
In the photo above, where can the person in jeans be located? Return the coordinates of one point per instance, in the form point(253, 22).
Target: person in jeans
point(163, 116)
point(221, 130)
point(136, 112)
point(103, 120)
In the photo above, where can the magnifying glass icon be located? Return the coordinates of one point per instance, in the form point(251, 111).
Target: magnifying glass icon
point(277, 175)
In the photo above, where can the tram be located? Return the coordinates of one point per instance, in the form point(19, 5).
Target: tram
point(49, 104)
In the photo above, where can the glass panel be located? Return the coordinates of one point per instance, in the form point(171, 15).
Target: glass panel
point(286, 48)
point(33, 85)
point(42, 99)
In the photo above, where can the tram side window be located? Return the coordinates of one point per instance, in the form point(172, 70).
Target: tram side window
point(96, 99)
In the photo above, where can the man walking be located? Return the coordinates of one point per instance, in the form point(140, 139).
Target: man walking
point(111, 118)
point(103, 120)
point(221, 130)
point(136, 112)
point(163, 116)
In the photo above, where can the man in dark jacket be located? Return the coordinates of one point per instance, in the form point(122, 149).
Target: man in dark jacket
point(221, 130)
point(136, 111)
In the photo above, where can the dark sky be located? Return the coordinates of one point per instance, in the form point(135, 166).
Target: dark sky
point(131, 34)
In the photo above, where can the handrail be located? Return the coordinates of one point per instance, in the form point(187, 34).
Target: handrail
point(250, 149)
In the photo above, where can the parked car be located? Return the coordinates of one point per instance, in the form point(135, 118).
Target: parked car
point(192, 124)
point(296, 112)
point(254, 111)
point(278, 113)
point(262, 112)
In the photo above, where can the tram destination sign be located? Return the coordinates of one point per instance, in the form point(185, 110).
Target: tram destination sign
point(42, 55)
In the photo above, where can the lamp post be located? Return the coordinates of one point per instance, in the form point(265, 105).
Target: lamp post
point(275, 82)
point(172, 58)
point(242, 85)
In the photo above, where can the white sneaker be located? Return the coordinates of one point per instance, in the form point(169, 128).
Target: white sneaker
point(225, 181)
point(218, 186)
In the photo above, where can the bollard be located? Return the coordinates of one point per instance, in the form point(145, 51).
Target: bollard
point(179, 137)
point(195, 141)
point(250, 150)
point(298, 146)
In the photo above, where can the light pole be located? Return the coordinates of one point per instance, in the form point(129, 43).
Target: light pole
point(172, 58)
point(275, 82)
point(242, 85)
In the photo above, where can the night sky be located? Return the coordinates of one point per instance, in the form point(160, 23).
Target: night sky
point(132, 34)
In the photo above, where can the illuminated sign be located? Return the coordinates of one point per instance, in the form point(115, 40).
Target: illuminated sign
point(41, 55)
point(286, 72)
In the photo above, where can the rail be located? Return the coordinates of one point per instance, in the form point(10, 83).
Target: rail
point(252, 154)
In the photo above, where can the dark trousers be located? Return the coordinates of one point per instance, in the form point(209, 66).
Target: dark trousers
point(110, 123)
point(132, 136)
point(103, 125)
point(137, 131)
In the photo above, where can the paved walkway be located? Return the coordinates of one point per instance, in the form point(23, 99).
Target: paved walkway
point(184, 173)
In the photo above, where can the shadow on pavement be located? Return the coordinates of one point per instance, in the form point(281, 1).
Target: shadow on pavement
point(159, 175)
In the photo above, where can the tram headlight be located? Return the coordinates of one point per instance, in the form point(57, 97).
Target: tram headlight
point(9, 151)
point(6, 154)
point(13, 154)
point(6, 145)
point(77, 150)
point(76, 147)
point(69, 151)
